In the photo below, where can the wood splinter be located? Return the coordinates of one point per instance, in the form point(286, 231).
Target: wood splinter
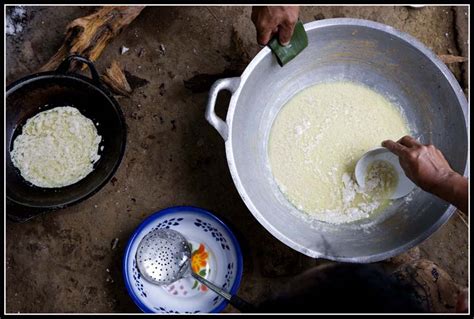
point(115, 78)
point(449, 59)
point(89, 35)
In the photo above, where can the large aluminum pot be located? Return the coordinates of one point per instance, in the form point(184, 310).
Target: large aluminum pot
point(392, 63)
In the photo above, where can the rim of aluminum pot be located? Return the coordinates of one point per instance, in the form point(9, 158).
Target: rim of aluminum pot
point(234, 85)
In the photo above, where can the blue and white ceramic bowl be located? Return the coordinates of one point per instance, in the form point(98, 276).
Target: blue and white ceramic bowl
point(216, 256)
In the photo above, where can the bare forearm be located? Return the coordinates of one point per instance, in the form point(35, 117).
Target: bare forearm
point(427, 167)
point(454, 191)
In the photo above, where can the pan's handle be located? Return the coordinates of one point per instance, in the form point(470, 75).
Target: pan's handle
point(229, 84)
point(64, 66)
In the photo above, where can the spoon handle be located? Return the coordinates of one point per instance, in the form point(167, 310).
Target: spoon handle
point(242, 305)
point(235, 301)
point(221, 292)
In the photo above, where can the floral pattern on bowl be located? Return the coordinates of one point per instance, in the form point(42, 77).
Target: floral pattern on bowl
point(199, 264)
point(216, 256)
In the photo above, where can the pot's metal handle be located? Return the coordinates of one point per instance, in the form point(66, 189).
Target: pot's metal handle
point(64, 66)
point(229, 84)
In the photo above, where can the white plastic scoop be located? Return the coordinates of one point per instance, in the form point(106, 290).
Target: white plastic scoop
point(404, 185)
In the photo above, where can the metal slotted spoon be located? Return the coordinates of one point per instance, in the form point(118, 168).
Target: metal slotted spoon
point(164, 256)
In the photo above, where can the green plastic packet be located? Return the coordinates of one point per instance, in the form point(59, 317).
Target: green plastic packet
point(298, 42)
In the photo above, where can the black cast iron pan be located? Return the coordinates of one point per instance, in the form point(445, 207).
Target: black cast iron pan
point(42, 91)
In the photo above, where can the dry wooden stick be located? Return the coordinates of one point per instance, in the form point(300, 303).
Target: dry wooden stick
point(448, 59)
point(89, 35)
point(461, 216)
point(116, 79)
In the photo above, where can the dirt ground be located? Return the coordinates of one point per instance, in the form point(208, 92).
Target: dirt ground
point(63, 261)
